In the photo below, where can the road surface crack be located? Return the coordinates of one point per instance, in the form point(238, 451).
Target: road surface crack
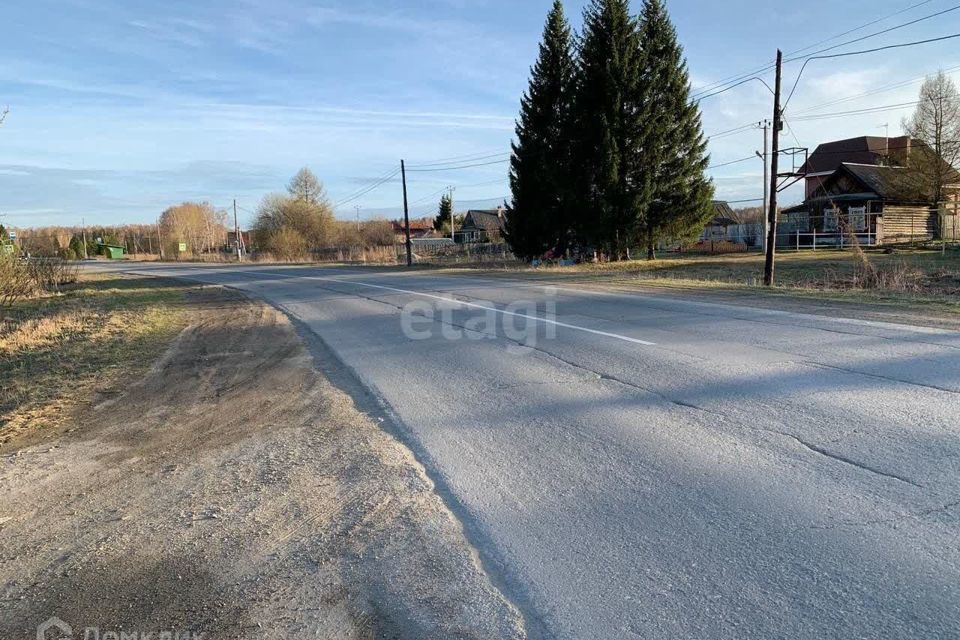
point(878, 376)
point(945, 508)
point(680, 403)
point(849, 461)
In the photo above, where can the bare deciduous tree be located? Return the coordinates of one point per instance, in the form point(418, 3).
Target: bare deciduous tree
point(198, 224)
point(279, 216)
point(306, 187)
point(935, 130)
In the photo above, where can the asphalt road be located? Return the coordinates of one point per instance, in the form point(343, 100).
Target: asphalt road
point(655, 467)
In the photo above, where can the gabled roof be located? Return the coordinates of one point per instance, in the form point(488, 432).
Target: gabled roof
point(722, 210)
point(485, 219)
point(828, 157)
point(884, 183)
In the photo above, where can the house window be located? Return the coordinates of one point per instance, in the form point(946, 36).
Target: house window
point(857, 218)
point(831, 218)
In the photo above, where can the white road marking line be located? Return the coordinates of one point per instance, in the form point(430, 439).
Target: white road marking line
point(555, 323)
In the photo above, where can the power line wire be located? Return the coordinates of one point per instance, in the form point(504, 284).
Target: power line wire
point(367, 190)
point(863, 26)
point(734, 86)
point(881, 89)
point(855, 112)
point(877, 33)
point(770, 66)
point(467, 159)
point(863, 52)
point(727, 164)
point(457, 168)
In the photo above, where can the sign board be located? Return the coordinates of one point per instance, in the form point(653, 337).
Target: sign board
point(13, 235)
point(182, 247)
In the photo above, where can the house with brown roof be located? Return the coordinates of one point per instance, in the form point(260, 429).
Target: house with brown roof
point(860, 188)
point(864, 150)
point(419, 229)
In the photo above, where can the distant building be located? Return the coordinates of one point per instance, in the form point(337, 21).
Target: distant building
point(232, 239)
point(724, 226)
point(418, 229)
point(719, 225)
point(482, 225)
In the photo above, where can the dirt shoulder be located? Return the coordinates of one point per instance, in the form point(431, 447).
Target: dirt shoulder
point(235, 492)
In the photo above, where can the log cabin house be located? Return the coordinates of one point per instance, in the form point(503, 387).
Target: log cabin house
point(859, 187)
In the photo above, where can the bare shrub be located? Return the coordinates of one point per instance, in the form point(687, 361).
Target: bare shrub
point(51, 273)
point(16, 281)
point(287, 244)
point(891, 276)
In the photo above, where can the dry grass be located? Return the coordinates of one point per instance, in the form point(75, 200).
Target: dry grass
point(58, 350)
point(909, 279)
point(923, 272)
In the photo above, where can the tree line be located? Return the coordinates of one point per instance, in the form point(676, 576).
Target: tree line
point(293, 225)
point(609, 152)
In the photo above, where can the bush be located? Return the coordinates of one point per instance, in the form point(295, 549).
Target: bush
point(51, 273)
point(16, 280)
point(286, 243)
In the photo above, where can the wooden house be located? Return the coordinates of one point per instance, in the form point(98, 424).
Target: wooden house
point(482, 226)
point(875, 203)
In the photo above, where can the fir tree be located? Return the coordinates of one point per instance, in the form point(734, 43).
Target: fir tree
point(672, 150)
point(608, 124)
point(539, 218)
point(444, 214)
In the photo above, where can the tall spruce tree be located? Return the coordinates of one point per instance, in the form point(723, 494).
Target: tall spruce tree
point(608, 126)
point(444, 213)
point(539, 217)
point(672, 148)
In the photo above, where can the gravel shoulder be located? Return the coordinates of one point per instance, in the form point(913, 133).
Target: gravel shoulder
point(236, 492)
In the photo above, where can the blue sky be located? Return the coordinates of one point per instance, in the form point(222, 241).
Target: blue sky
point(120, 108)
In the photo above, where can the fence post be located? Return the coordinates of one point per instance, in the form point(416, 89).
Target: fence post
point(798, 238)
point(814, 238)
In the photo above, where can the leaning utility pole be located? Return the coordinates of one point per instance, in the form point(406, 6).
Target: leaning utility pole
point(236, 232)
point(83, 223)
point(453, 217)
point(766, 176)
point(406, 214)
point(768, 268)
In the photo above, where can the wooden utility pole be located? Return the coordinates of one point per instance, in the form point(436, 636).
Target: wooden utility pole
point(453, 228)
point(766, 174)
point(159, 240)
point(406, 213)
point(768, 268)
point(236, 232)
point(83, 223)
